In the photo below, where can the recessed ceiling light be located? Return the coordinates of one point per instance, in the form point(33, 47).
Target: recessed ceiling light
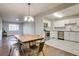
point(17, 19)
point(58, 15)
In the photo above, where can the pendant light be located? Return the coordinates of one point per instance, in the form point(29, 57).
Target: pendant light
point(29, 18)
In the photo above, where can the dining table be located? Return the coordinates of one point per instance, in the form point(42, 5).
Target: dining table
point(27, 39)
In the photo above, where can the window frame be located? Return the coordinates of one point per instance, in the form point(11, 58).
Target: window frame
point(13, 27)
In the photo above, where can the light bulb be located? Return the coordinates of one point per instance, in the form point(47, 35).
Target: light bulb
point(25, 19)
point(17, 19)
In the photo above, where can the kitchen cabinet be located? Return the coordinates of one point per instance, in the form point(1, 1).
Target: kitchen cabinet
point(75, 28)
point(59, 23)
point(66, 36)
point(77, 21)
point(67, 27)
point(68, 24)
point(77, 36)
point(72, 36)
point(53, 34)
point(71, 21)
point(71, 27)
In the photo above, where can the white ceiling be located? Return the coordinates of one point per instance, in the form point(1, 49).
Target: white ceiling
point(73, 10)
point(11, 11)
point(22, 8)
point(70, 11)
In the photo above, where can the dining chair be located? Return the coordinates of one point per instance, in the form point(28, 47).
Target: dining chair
point(35, 44)
point(38, 49)
point(16, 45)
point(12, 48)
point(41, 48)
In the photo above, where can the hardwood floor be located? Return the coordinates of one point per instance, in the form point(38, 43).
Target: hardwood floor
point(4, 48)
point(48, 50)
point(52, 51)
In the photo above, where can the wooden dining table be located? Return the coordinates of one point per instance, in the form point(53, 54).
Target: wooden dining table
point(27, 39)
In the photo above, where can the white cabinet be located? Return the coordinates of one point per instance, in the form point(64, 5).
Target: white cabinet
point(72, 27)
point(66, 35)
point(72, 36)
point(59, 23)
point(53, 34)
point(77, 21)
point(71, 21)
point(77, 36)
point(68, 24)
point(75, 28)
point(67, 27)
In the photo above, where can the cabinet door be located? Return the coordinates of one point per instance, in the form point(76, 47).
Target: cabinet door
point(67, 28)
point(66, 35)
point(72, 36)
point(53, 34)
point(77, 36)
point(72, 21)
point(74, 28)
point(77, 21)
point(59, 23)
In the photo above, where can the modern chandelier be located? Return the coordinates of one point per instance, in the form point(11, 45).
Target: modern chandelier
point(29, 18)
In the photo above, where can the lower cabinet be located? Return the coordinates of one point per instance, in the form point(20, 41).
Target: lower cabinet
point(71, 36)
point(77, 36)
point(66, 36)
point(53, 34)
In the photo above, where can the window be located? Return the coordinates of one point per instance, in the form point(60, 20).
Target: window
point(13, 27)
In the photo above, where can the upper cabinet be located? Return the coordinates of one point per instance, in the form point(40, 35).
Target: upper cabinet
point(77, 21)
point(60, 23)
point(67, 24)
point(73, 25)
point(72, 21)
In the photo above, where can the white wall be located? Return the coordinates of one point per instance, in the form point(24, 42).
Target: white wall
point(6, 28)
point(0, 28)
point(39, 25)
point(28, 28)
